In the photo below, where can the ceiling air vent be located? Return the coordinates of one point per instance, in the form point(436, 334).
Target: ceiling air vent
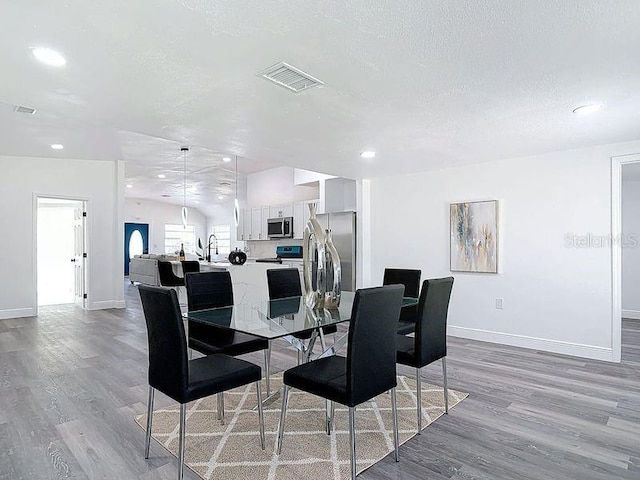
point(289, 77)
point(22, 109)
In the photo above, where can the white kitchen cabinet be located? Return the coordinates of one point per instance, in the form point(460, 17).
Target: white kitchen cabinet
point(256, 224)
point(264, 228)
point(246, 231)
point(282, 210)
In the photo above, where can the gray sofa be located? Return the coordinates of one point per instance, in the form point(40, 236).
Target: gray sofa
point(144, 268)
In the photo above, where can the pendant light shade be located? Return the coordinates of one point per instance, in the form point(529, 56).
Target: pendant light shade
point(236, 205)
point(185, 213)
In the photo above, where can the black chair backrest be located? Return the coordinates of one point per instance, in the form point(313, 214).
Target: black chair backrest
point(411, 281)
point(371, 352)
point(409, 278)
point(209, 290)
point(190, 266)
point(168, 362)
point(431, 324)
point(283, 283)
point(167, 277)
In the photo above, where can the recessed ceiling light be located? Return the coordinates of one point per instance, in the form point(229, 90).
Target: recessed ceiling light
point(49, 56)
point(129, 185)
point(220, 197)
point(368, 154)
point(226, 159)
point(57, 146)
point(587, 109)
point(161, 175)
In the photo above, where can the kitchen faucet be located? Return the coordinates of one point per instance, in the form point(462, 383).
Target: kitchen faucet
point(215, 240)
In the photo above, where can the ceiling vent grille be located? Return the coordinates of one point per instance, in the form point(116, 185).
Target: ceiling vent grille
point(22, 109)
point(290, 77)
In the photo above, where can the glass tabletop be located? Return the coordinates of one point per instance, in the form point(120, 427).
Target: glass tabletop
point(278, 318)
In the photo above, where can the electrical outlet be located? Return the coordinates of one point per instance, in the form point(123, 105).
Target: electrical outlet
point(499, 303)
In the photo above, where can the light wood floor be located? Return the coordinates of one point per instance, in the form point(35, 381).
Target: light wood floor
point(71, 382)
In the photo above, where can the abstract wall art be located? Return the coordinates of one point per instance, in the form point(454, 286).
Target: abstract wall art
point(474, 237)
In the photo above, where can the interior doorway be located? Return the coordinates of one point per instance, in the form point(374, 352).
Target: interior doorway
point(625, 245)
point(61, 251)
point(136, 242)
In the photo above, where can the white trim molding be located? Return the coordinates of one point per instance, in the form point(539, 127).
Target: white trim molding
point(17, 313)
point(534, 343)
point(106, 304)
point(632, 314)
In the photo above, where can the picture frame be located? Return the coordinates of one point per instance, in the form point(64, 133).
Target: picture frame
point(474, 236)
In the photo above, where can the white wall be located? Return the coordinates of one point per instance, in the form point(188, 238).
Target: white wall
point(556, 297)
point(275, 186)
point(157, 214)
point(631, 249)
point(97, 181)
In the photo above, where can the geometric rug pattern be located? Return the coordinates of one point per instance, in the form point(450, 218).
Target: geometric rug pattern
point(232, 451)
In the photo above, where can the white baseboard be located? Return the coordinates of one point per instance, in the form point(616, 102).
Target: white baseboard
point(17, 313)
point(543, 344)
point(633, 314)
point(106, 304)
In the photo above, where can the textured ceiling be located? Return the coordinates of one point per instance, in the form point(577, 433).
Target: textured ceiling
point(427, 84)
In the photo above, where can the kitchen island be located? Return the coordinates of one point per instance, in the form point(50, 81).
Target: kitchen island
point(249, 280)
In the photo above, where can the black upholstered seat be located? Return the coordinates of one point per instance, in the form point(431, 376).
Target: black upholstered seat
point(215, 290)
point(369, 368)
point(430, 341)
point(411, 281)
point(285, 283)
point(166, 275)
point(181, 379)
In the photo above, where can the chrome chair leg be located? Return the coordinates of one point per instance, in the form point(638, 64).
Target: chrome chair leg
point(394, 407)
point(419, 399)
point(285, 398)
point(323, 342)
point(260, 412)
point(328, 405)
point(183, 421)
point(147, 440)
point(220, 398)
point(333, 415)
point(352, 440)
point(267, 368)
point(446, 390)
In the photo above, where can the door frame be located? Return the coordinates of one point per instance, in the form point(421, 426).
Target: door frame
point(86, 201)
point(616, 251)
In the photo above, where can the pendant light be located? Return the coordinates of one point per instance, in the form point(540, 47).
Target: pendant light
point(236, 205)
point(184, 151)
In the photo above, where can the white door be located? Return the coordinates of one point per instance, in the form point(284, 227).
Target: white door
point(80, 255)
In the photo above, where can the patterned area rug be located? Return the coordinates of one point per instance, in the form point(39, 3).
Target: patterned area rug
point(232, 450)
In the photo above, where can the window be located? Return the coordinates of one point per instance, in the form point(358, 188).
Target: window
point(174, 235)
point(223, 234)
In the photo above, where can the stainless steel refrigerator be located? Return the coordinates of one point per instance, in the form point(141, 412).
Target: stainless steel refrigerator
point(343, 232)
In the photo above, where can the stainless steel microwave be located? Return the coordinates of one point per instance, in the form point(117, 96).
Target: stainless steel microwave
point(281, 227)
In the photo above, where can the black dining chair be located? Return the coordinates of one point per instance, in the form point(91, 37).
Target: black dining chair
point(411, 281)
point(214, 290)
point(369, 368)
point(184, 380)
point(190, 266)
point(285, 283)
point(430, 341)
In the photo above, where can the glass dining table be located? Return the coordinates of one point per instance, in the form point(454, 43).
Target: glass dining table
point(284, 318)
